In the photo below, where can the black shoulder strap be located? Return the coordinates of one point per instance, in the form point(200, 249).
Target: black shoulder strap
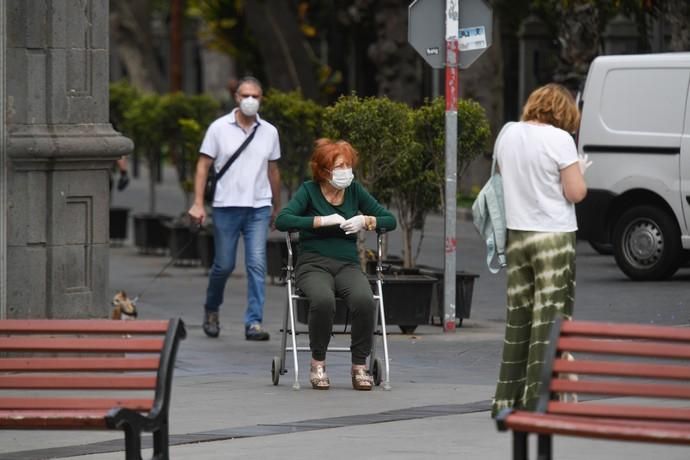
point(237, 154)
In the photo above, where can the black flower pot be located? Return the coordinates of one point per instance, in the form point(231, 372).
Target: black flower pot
point(182, 243)
point(407, 299)
point(464, 286)
point(119, 218)
point(151, 235)
point(205, 247)
point(277, 255)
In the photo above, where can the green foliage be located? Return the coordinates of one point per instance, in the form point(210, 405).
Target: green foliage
point(122, 94)
point(402, 152)
point(186, 118)
point(226, 30)
point(154, 123)
point(380, 130)
point(144, 123)
point(474, 134)
point(299, 124)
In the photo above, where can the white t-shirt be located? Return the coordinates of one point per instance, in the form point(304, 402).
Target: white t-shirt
point(245, 183)
point(530, 157)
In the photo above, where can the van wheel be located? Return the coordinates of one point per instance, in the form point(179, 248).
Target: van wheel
point(646, 243)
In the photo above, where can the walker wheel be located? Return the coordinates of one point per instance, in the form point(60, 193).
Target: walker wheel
point(275, 370)
point(377, 371)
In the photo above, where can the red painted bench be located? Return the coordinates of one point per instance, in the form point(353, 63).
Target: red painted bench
point(89, 374)
point(647, 363)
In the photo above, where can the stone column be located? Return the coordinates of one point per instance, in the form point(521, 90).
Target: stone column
point(60, 149)
point(620, 36)
point(537, 57)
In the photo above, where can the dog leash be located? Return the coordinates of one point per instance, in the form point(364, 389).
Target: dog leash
point(194, 230)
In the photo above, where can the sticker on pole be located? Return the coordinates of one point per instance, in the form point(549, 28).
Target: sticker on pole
point(472, 38)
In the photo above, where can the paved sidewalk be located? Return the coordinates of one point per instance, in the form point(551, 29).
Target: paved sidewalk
point(224, 405)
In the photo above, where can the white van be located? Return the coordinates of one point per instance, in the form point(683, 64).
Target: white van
point(636, 129)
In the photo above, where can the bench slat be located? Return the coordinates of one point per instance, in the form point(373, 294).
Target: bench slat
point(620, 410)
point(648, 349)
point(70, 382)
point(68, 419)
point(583, 366)
point(639, 331)
point(81, 345)
point(658, 432)
point(78, 364)
point(74, 326)
point(620, 388)
point(103, 404)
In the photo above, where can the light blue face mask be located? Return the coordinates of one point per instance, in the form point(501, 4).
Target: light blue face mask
point(341, 178)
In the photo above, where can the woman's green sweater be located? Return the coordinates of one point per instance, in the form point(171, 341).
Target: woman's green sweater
point(309, 202)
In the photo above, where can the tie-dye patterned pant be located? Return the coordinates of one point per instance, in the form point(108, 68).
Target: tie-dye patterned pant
point(541, 287)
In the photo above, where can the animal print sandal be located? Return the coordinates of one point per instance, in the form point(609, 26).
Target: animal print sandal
point(362, 379)
point(318, 377)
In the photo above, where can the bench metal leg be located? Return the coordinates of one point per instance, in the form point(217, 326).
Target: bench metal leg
point(132, 443)
point(520, 451)
point(161, 443)
point(544, 447)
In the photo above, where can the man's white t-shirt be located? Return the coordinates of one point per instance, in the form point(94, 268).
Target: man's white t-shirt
point(530, 158)
point(245, 183)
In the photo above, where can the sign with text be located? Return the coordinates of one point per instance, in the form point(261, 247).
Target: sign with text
point(426, 30)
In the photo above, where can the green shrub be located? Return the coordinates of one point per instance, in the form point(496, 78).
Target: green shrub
point(299, 124)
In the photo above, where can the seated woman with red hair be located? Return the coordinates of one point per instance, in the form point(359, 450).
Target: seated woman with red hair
point(329, 211)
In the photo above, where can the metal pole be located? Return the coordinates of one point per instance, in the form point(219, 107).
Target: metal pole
point(3, 166)
point(452, 86)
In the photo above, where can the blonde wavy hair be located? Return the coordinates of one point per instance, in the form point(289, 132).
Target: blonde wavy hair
point(552, 104)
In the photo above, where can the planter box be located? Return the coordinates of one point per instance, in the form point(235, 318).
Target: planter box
point(151, 235)
point(206, 247)
point(119, 219)
point(277, 255)
point(464, 286)
point(182, 243)
point(407, 299)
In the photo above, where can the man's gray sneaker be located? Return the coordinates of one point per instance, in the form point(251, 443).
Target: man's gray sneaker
point(211, 326)
point(256, 332)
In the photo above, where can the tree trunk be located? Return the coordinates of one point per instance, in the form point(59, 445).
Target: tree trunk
point(130, 24)
point(678, 16)
point(398, 68)
point(285, 54)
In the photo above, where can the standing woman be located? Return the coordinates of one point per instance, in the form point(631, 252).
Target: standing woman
point(329, 211)
point(542, 180)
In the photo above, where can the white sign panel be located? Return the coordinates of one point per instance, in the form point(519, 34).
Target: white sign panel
point(472, 38)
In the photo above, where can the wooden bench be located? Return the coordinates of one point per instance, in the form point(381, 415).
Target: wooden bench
point(648, 363)
point(89, 374)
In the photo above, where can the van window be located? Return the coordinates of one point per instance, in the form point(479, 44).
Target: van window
point(645, 100)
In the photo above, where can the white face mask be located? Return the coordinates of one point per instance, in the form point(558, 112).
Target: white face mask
point(249, 106)
point(341, 178)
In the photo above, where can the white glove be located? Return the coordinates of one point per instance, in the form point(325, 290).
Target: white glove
point(353, 224)
point(330, 220)
point(584, 162)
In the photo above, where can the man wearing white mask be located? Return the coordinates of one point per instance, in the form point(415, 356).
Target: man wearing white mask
point(245, 202)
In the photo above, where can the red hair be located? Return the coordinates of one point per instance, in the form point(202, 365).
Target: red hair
point(326, 151)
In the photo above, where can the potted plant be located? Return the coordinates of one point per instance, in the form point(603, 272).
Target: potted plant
point(143, 123)
point(185, 120)
point(382, 132)
point(122, 94)
point(429, 132)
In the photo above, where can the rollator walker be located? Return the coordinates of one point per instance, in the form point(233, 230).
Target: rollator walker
point(375, 367)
